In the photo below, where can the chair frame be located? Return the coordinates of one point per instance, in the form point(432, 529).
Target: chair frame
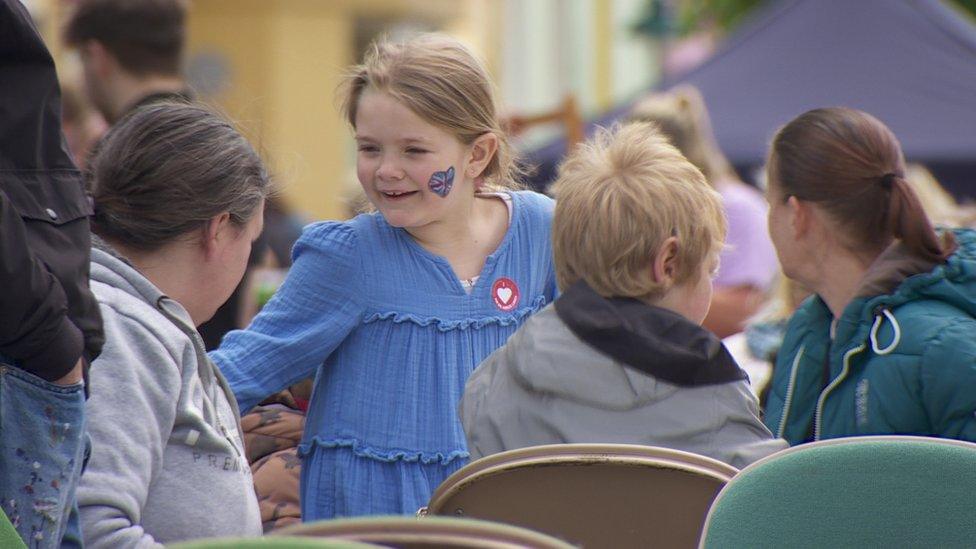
point(553, 454)
point(567, 114)
point(674, 464)
point(447, 531)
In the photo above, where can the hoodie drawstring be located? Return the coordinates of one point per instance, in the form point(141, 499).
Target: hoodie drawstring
point(874, 333)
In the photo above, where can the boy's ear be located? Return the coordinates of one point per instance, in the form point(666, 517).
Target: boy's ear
point(665, 265)
point(482, 151)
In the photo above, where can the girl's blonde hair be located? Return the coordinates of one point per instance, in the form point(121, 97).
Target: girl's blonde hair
point(681, 116)
point(441, 81)
point(941, 207)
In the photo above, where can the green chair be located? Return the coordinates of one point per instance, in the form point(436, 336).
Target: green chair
point(401, 532)
point(880, 491)
point(8, 534)
point(595, 495)
point(271, 542)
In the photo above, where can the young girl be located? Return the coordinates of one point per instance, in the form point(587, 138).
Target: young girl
point(394, 309)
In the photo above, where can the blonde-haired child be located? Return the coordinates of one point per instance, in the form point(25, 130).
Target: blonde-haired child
point(621, 357)
point(749, 263)
point(392, 310)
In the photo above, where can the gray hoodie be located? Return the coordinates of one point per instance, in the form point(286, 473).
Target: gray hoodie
point(167, 459)
point(591, 370)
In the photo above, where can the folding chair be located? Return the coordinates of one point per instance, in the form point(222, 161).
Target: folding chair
point(276, 542)
point(428, 533)
point(595, 495)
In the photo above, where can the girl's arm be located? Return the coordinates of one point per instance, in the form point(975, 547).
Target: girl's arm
point(319, 304)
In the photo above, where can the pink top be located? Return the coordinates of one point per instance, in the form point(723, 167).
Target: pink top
point(749, 258)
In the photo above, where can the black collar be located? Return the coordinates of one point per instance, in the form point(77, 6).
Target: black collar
point(653, 340)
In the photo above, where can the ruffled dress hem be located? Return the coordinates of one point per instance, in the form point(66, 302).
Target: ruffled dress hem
point(383, 455)
point(463, 324)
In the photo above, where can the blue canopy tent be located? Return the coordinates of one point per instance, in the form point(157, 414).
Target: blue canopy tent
point(911, 63)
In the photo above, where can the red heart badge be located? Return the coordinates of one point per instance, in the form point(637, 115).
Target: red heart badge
point(505, 294)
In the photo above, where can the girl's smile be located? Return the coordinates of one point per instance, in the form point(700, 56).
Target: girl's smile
point(406, 165)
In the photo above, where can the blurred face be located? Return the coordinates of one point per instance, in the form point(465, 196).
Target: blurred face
point(82, 135)
point(779, 223)
point(92, 62)
point(695, 295)
point(411, 170)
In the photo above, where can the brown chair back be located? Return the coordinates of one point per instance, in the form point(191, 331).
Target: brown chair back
point(427, 533)
point(594, 495)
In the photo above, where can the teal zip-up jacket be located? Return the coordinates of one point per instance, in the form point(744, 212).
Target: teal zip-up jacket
point(902, 360)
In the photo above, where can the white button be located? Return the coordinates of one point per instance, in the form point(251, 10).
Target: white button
point(51, 213)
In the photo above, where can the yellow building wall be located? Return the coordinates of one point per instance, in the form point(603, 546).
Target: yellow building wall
point(285, 60)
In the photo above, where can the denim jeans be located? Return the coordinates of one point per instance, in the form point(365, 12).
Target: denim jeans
point(42, 449)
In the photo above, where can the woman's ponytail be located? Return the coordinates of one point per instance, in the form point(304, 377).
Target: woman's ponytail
point(908, 222)
point(851, 165)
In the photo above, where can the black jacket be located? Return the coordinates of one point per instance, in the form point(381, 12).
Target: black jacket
point(656, 341)
point(48, 316)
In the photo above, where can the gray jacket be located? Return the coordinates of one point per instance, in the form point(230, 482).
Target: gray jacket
point(618, 372)
point(167, 459)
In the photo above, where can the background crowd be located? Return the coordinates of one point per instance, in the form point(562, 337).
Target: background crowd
point(182, 359)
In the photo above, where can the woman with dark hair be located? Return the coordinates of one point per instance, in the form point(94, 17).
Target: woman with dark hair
point(178, 199)
point(886, 345)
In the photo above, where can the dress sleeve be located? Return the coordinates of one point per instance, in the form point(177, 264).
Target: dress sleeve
point(319, 304)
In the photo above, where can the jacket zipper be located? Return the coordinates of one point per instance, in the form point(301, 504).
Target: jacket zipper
point(789, 392)
point(823, 395)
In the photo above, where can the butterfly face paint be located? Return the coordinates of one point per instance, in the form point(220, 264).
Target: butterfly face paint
point(441, 183)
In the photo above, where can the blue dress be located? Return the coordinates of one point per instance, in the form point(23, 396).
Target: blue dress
point(391, 336)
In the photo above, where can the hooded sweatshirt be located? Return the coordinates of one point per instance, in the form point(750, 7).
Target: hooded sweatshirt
point(593, 370)
point(902, 359)
point(167, 459)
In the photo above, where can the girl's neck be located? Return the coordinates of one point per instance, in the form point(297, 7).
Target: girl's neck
point(468, 236)
point(459, 228)
point(446, 234)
